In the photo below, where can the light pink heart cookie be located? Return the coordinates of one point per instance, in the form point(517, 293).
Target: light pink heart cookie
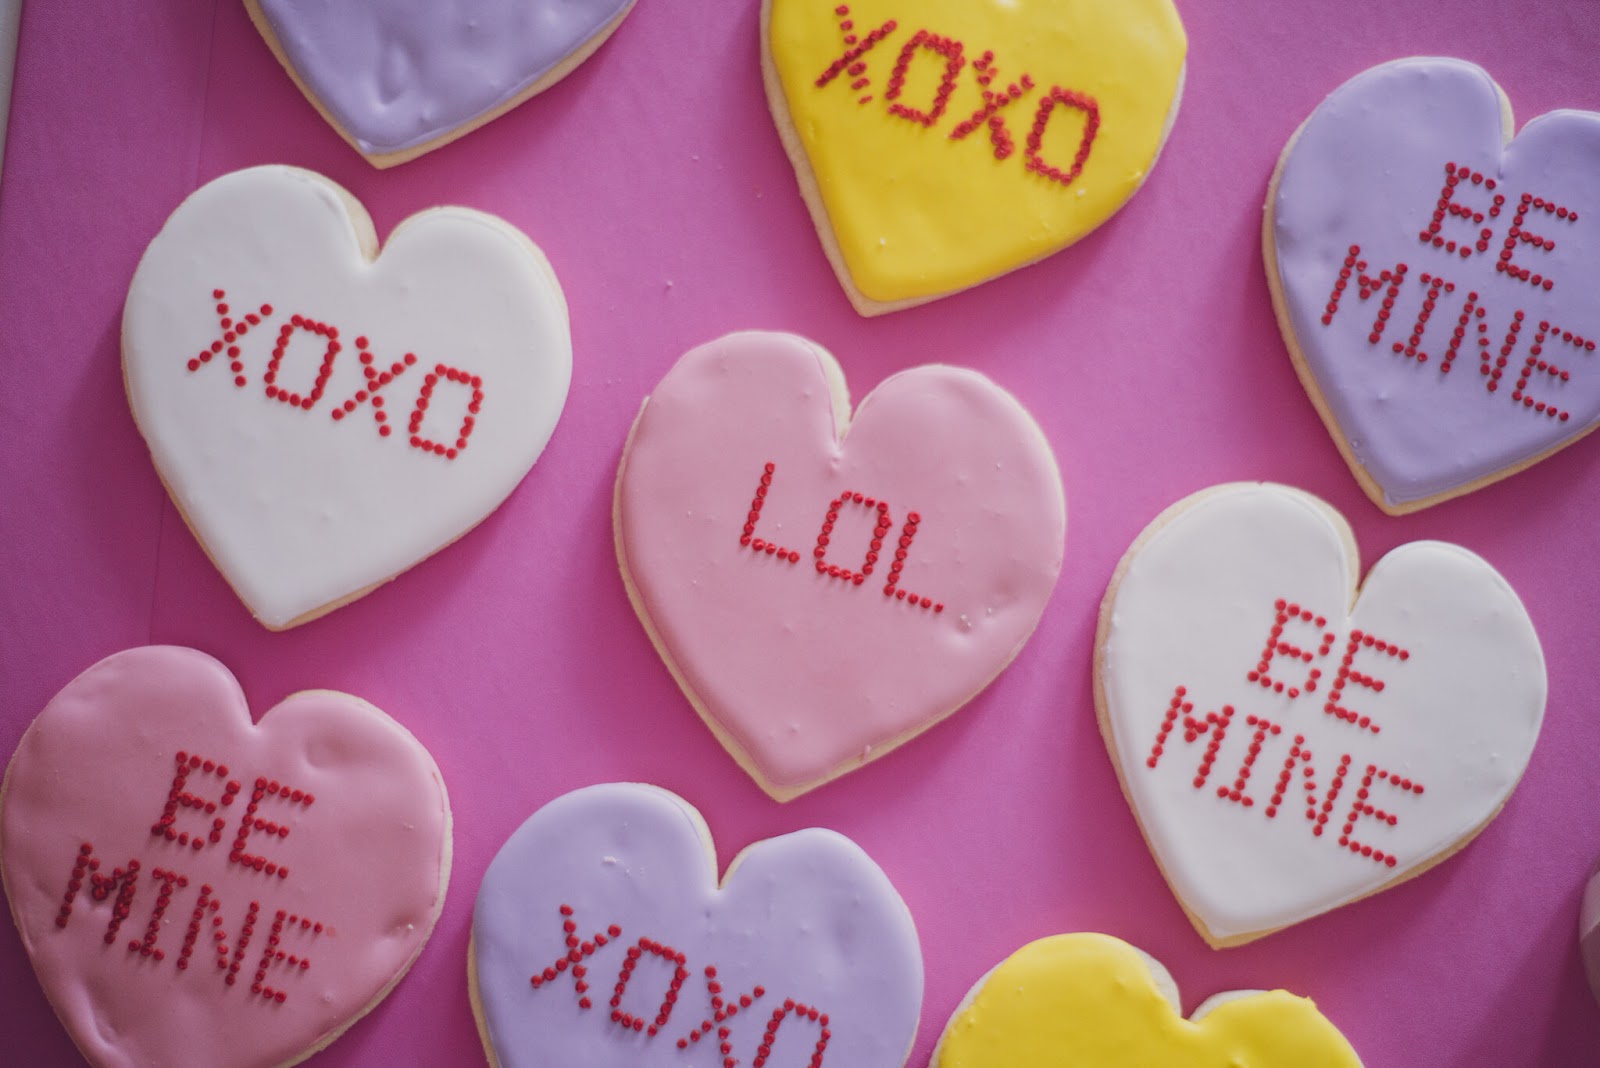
point(1288, 744)
point(825, 588)
point(193, 888)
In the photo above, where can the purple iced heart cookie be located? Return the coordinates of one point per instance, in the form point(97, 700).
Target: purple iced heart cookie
point(398, 78)
point(1435, 280)
point(601, 939)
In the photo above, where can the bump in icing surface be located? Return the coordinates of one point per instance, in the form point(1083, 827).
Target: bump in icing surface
point(1091, 999)
point(1288, 746)
point(153, 897)
point(399, 73)
point(806, 949)
point(1438, 280)
point(824, 594)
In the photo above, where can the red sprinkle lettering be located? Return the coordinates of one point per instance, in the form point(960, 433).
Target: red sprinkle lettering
point(1472, 320)
point(206, 916)
point(1280, 649)
point(166, 826)
point(952, 53)
point(577, 952)
point(1362, 808)
point(875, 507)
point(253, 824)
point(328, 339)
point(123, 882)
point(723, 1008)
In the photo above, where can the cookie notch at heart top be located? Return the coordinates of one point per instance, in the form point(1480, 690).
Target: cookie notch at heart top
point(194, 888)
point(944, 143)
point(399, 78)
point(323, 416)
point(1432, 277)
point(1090, 999)
point(822, 597)
point(1287, 746)
point(601, 938)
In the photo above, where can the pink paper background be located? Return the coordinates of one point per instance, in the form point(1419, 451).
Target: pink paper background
point(653, 179)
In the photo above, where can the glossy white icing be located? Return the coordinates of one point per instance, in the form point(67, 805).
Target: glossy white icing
point(1455, 711)
point(302, 508)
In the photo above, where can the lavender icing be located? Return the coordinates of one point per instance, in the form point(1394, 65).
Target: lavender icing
point(1367, 169)
point(807, 916)
point(399, 73)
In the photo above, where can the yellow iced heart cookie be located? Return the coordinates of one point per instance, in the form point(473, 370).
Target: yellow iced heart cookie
point(941, 143)
point(1090, 999)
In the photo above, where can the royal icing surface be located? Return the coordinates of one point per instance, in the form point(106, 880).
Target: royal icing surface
point(1439, 281)
point(955, 140)
point(325, 420)
point(601, 938)
point(196, 889)
point(1091, 999)
point(396, 74)
point(822, 596)
point(1287, 746)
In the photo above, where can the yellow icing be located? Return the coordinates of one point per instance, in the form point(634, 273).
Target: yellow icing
point(1089, 999)
point(915, 213)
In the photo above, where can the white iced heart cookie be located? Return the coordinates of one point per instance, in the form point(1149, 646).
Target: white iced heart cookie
point(325, 417)
point(1288, 746)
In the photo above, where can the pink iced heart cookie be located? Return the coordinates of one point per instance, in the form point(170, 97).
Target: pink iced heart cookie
point(1287, 745)
point(601, 938)
point(823, 597)
point(1434, 278)
point(325, 417)
point(193, 888)
point(398, 78)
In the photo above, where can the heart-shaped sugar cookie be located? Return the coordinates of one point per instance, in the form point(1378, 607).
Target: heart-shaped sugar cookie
point(398, 78)
point(1288, 746)
point(193, 888)
point(942, 143)
point(1090, 999)
point(325, 417)
point(602, 939)
point(821, 595)
point(1434, 278)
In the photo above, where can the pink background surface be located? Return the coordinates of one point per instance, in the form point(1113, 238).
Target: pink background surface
point(653, 179)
